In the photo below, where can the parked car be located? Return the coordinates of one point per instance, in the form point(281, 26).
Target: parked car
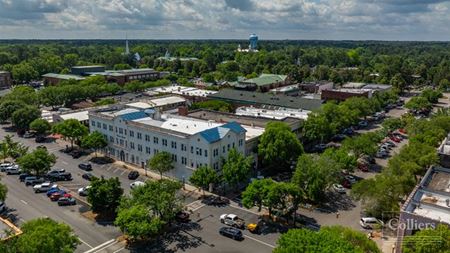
point(65, 201)
point(3, 166)
point(233, 233)
point(13, 170)
point(215, 200)
point(85, 166)
point(28, 135)
point(396, 139)
point(363, 124)
point(23, 176)
point(350, 178)
point(83, 191)
point(88, 176)
point(133, 175)
point(338, 188)
point(40, 139)
point(232, 220)
point(348, 131)
point(44, 187)
point(59, 194)
point(320, 147)
point(136, 184)
point(338, 137)
point(2, 207)
point(182, 216)
point(51, 191)
point(367, 159)
point(370, 222)
point(381, 154)
point(402, 130)
point(76, 154)
point(59, 176)
point(33, 180)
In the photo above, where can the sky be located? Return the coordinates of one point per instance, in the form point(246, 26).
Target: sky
point(226, 19)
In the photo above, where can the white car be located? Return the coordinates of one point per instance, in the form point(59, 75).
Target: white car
point(5, 165)
point(338, 188)
point(370, 222)
point(13, 170)
point(83, 191)
point(136, 184)
point(44, 187)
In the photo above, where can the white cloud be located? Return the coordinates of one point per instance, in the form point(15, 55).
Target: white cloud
point(271, 19)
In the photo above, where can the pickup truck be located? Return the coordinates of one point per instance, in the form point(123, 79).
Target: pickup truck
point(43, 187)
point(232, 220)
point(59, 175)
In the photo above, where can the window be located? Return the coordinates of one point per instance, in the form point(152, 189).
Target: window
point(192, 165)
point(99, 125)
point(116, 129)
point(111, 139)
point(104, 126)
point(198, 151)
point(228, 147)
point(233, 144)
point(147, 137)
point(148, 150)
point(241, 141)
point(215, 152)
point(125, 131)
point(192, 150)
point(120, 131)
point(117, 141)
point(132, 145)
point(173, 144)
point(223, 149)
point(183, 147)
point(183, 160)
point(110, 128)
point(164, 142)
point(131, 133)
point(155, 151)
point(174, 157)
point(155, 140)
point(92, 123)
point(140, 147)
point(121, 142)
point(206, 153)
point(139, 136)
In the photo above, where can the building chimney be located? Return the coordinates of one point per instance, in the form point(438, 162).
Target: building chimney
point(183, 111)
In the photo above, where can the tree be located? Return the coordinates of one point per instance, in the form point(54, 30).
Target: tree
point(359, 145)
point(22, 118)
point(335, 239)
point(24, 72)
point(341, 158)
point(256, 192)
point(40, 126)
point(104, 195)
point(398, 82)
point(279, 146)
point(94, 140)
point(71, 129)
point(236, 168)
point(418, 103)
point(46, 235)
point(392, 124)
point(203, 177)
point(8, 107)
point(37, 162)
point(52, 96)
point(430, 240)
point(136, 222)
point(3, 192)
point(431, 95)
point(161, 162)
point(10, 148)
point(317, 127)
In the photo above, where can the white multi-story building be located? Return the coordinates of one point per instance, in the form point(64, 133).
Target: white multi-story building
point(136, 135)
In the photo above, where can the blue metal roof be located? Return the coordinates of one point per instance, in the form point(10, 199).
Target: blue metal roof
point(214, 134)
point(235, 127)
point(133, 115)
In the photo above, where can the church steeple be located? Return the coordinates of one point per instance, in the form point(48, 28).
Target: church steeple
point(127, 49)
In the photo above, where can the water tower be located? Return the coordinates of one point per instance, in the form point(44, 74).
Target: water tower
point(253, 42)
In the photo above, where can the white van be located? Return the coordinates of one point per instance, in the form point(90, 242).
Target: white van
point(370, 222)
point(13, 170)
point(5, 165)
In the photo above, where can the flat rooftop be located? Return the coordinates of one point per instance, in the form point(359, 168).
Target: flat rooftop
point(183, 90)
point(80, 116)
point(445, 146)
point(167, 100)
point(277, 114)
point(431, 199)
point(64, 76)
point(350, 90)
point(292, 87)
point(140, 105)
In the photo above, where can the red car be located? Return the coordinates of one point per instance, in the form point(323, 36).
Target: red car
point(401, 130)
point(346, 184)
point(57, 195)
point(396, 139)
point(363, 167)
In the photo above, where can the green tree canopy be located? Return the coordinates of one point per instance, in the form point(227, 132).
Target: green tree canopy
point(105, 194)
point(40, 126)
point(334, 239)
point(37, 162)
point(204, 176)
point(95, 141)
point(161, 162)
point(8, 107)
point(279, 146)
point(236, 168)
point(46, 235)
point(22, 118)
point(418, 103)
point(431, 240)
point(71, 129)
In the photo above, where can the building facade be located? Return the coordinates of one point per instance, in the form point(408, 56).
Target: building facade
point(5, 80)
point(135, 135)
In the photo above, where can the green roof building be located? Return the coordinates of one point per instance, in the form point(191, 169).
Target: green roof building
point(263, 83)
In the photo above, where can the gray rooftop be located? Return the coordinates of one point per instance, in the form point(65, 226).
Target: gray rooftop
point(249, 97)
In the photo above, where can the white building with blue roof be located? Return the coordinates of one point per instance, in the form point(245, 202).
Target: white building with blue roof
point(135, 135)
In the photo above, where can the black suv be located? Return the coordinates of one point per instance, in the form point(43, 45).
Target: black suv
point(234, 233)
point(85, 166)
point(133, 175)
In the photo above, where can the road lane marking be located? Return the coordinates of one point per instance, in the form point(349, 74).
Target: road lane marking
point(256, 240)
point(101, 246)
point(23, 201)
point(85, 243)
point(65, 163)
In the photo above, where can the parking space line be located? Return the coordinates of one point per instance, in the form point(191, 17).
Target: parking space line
point(23, 201)
point(256, 240)
point(65, 163)
point(116, 170)
point(123, 172)
point(85, 243)
point(119, 250)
